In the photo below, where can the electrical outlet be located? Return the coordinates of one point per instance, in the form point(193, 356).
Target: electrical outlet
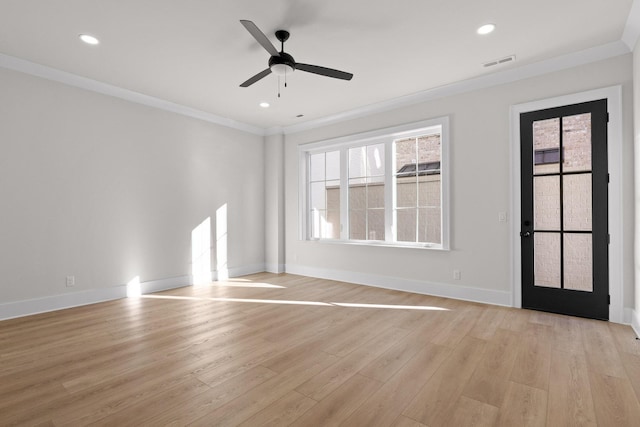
point(502, 216)
point(71, 281)
point(456, 275)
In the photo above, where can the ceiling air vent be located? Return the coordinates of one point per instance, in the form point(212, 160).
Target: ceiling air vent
point(500, 61)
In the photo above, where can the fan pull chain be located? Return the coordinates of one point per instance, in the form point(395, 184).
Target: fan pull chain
point(285, 77)
point(278, 86)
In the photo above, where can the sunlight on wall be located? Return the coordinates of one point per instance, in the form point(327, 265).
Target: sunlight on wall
point(133, 287)
point(221, 243)
point(201, 253)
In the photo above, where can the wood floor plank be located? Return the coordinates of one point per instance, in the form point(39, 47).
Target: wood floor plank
point(282, 412)
point(632, 367)
point(337, 406)
point(387, 364)
point(615, 401)
point(570, 398)
point(388, 403)
point(533, 362)
point(258, 398)
point(470, 412)
point(602, 353)
point(323, 384)
point(625, 338)
point(523, 406)
point(433, 404)
point(489, 382)
point(403, 421)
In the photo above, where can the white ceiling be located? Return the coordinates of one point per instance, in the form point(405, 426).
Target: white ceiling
point(196, 53)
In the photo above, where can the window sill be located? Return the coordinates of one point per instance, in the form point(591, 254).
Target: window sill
point(373, 243)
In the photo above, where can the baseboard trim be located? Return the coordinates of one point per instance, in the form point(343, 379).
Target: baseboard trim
point(465, 293)
point(11, 310)
point(635, 322)
point(274, 268)
point(29, 307)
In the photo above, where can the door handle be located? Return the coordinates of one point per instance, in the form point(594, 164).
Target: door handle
point(525, 234)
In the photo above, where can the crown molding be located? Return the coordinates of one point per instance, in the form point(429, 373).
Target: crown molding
point(598, 53)
point(632, 28)
point(42, 71)
point(559, 63)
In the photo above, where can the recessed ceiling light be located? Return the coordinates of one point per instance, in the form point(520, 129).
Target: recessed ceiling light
point(264, 104)
point(486, 29)
point(89, 39)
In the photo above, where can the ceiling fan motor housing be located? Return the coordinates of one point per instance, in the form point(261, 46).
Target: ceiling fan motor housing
point(282, 64)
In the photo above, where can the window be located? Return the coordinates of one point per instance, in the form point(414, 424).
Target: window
point(384, 187)
point(324, 191)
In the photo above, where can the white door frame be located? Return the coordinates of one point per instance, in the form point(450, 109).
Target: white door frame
point(613, 95)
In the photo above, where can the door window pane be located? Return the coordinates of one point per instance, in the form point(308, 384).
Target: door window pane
point(317, 167)
point(578, 262)
point(577, 202)
point(547, 260)
point(546, 140)
point(576, 140)
point(546, 202)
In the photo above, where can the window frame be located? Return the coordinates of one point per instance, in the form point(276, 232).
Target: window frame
point(387, 136)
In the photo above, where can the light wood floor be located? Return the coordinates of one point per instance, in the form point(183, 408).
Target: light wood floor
point(289, 350)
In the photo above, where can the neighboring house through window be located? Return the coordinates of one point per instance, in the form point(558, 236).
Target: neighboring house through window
point(383, 187)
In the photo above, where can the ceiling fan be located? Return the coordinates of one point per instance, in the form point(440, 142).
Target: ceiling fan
point(281, 63)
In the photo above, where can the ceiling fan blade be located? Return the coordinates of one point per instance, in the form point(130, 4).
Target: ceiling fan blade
point(323, 71)
point(260, 37)
point(257, 77)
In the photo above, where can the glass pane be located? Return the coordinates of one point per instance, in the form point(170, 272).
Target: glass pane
point(333, 195)
point(429, 191)
point(546, 146)
point(317, 223)
point(317, 167)
point(375, 159)
point(405, 155)
point(577, 202)
point(578, 267)
point(406, 225)
point(357, 162)
point(357, 196)
point(332, 226)
point(429, 225)
point(546, 268)
point(318, 195)
point(357, 224)
point(333, 165)
point(546, 202)
point(375, 224)
point(429, 149)
point(375, 195)
point(576, 140)
point(406, 195)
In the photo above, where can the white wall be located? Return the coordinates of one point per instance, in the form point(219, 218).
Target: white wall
point(106, 190)
point(274, 203)
point(480, 188)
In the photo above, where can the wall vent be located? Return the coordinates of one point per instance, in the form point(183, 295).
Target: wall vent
point(500, 61)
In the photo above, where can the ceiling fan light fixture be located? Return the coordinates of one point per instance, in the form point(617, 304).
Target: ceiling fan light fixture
point(264, 104)
point(281, 69)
